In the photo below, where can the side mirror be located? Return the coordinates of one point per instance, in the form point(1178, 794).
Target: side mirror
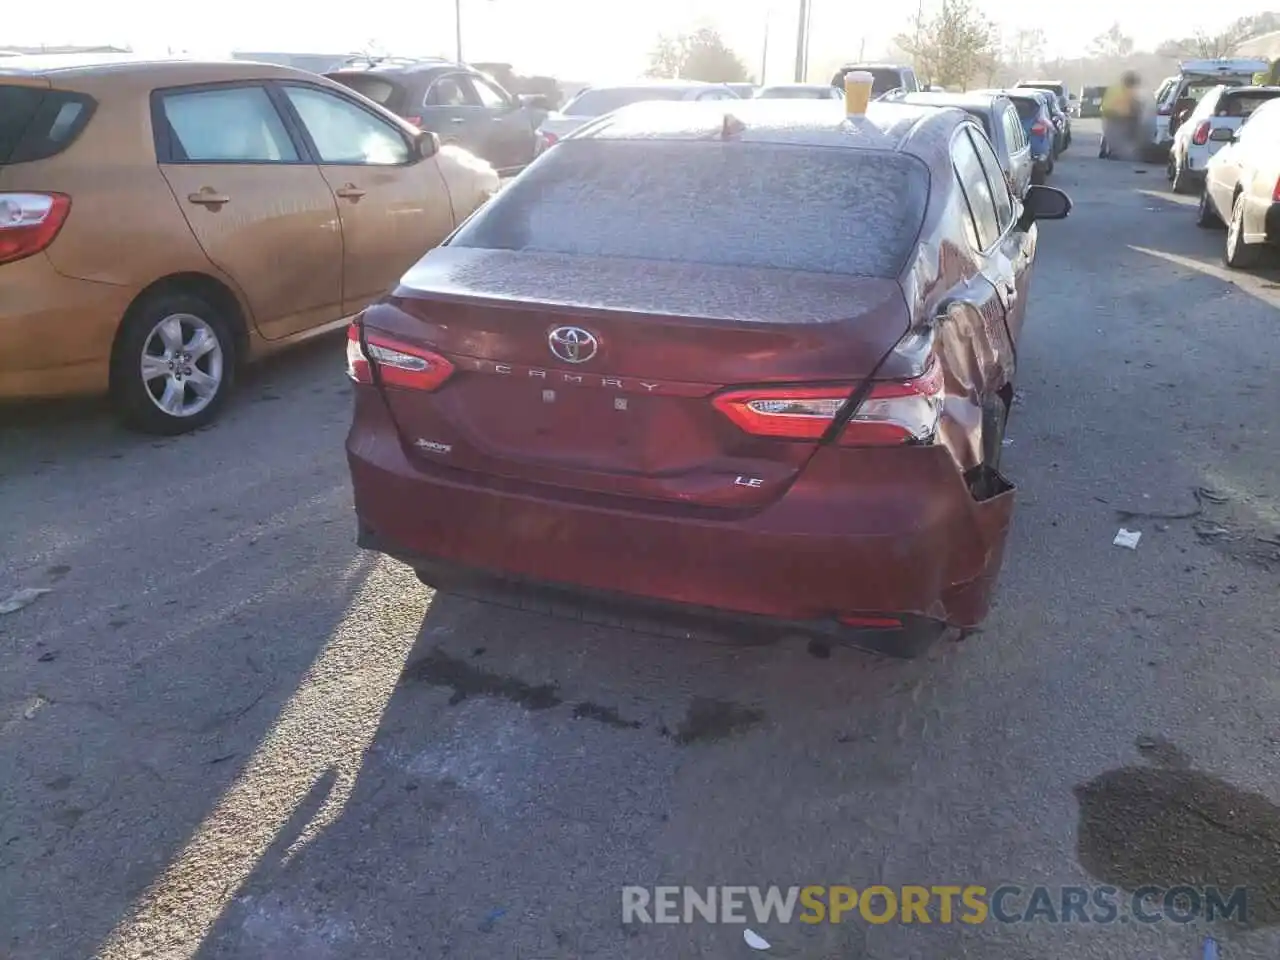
point(1222, 135)
point(426, 144)
point(1044, 203)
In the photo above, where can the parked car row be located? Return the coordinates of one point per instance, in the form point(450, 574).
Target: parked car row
point(1241, 184)
point(738, 347)
point(163, 222)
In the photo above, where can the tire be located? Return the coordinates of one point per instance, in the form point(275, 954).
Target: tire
point(1048, 170)
point(191, 351)
point(1206, 218)
point(1171, 169)
point(1237, 254)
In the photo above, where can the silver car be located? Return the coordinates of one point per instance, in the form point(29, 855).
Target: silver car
point(1002, 125)
point(597, 101)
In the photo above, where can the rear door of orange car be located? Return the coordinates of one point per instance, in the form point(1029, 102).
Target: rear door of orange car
point(393, 204)
point(254, 200)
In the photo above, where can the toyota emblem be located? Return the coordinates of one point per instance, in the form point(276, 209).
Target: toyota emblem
point(572, 344)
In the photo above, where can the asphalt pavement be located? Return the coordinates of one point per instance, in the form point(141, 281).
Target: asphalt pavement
point(227, 733)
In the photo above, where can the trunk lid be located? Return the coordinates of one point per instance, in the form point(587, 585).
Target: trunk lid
point(596, 374)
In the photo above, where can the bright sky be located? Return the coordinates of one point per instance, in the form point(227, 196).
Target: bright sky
point(552, 36)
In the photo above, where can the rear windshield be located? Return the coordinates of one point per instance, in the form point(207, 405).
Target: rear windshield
point(378, 89)
point(596, 103)
point(813, 209)
point(35, 124)
point(1028, 109)
point(1243, 104)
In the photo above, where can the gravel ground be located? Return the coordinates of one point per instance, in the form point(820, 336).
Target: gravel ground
point(226, 733)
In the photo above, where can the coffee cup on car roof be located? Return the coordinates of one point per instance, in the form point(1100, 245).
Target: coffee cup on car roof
point(857, 92)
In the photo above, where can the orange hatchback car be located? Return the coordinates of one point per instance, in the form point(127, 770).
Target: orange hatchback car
point(162, 222)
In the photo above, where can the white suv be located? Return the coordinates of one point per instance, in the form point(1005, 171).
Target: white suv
point(1178, 95)
point(1212, 124)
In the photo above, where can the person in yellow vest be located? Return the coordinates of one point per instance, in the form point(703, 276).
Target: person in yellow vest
point(1121, 114)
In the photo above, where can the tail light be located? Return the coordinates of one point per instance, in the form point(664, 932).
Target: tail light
point(1201, 136)
point(893, 413)
point(399, 364)
point(1275, 192)
point(29, 222)
point(1039, 128)
point(416, 121)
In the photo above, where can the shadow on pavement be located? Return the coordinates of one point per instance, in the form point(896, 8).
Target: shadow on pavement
point(526, 768)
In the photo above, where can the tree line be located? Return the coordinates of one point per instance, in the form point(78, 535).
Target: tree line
point(957, 47)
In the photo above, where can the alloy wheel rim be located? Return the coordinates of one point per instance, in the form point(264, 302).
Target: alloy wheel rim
point(181, 365)
point(1233, 228)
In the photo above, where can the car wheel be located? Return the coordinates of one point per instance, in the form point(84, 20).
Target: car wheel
point(1205, 216)
point(1171, 169)
point(1048, 170)
point(1180, 182)
point(173, 364)
point(1236, 253)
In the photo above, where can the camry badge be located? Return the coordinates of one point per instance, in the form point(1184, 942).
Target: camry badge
point(572, 344)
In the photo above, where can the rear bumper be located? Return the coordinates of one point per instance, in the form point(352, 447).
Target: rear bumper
point(56, 332)
point(888, 532)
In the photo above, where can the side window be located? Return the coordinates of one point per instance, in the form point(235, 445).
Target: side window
point(226, 125)
point(909, 80)
point(345, 133)
point(996, 177)
point(487, 96)
point(977, 191)
point(1013, 129)
point(452, 90)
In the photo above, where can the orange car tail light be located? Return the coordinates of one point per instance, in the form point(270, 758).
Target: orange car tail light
point(399, 364)
point(29, 222)
point(894, 412)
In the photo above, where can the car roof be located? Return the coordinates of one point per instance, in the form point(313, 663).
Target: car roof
point(972, 100)
point(401, 65)
point(1224, 65)
point(105, 68)
point(891, 125)
point(864, 65)
point(652, 85)
point(1236, 91)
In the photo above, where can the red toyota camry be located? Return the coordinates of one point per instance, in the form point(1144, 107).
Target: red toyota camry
point(751, 362)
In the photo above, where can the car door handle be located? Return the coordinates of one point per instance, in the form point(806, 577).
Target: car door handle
point(208, 197)
point(349, 191)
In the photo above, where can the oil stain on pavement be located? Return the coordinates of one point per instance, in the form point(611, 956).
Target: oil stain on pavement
point(1167, 825)
point(706, 719)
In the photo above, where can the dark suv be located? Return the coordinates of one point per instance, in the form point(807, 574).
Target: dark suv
point(458, 103)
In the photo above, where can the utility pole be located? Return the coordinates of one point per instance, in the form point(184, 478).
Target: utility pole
point(457, 26)
point(802, 40)
point(764, 53)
